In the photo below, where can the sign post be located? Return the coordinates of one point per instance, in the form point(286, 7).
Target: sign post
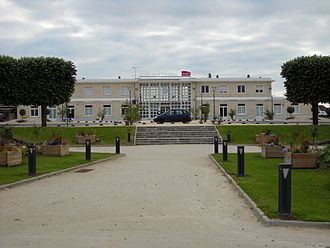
point(32, 160)
point(117, 145)
point(216, 145)
point(284, 190)
point(224, 150)
point(88, 150)
point(240, 161)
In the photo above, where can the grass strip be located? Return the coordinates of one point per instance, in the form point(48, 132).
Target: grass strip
point(310, 187)
point(46, 164)
point(106, 135)
point(246, 134)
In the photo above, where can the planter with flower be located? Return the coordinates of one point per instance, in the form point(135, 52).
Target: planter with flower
point(271, 148)
point(56, 147)
point(300, 156)
point(10, 155)
point(82, 137)
point(262, 138)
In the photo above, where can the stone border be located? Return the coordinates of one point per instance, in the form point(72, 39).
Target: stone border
point(29, 180)
point(264, 218)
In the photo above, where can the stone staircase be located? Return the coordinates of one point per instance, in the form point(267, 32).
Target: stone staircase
point(163, 135)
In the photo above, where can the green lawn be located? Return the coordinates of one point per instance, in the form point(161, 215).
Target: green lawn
point(46, 164)
point(246, 134)
point(310, 187)
point(105, 134)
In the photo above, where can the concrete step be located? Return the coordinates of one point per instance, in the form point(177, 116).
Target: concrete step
point(175, 135)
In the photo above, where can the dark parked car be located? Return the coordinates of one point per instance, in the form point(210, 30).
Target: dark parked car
point(174, 115)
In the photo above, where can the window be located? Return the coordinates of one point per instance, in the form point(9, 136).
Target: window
point(88, 110)
point(223, 89)
point(205, 89)
point(241, 89)
point(88, 91)
point(259, 89)
point(277, 108)
point(34, 111)
point(124, 108)
point(296, 108)
point(124, 90)
point(241, 109)
point(107, 110)
point(106, 90)
point(259, 110)
point(52, 112)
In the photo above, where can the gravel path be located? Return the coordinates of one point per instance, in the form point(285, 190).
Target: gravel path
point(156, 196)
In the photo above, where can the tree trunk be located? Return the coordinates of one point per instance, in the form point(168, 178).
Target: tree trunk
point(44, 115)
point(315, 110)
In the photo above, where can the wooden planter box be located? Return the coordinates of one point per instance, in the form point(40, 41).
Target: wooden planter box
point(301, 160)
point(261, 139)
point(55, 150)
point(10, 158)
point(272, 152)
point(82, 139)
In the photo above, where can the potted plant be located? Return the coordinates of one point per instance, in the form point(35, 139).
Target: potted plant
point(82, 137)
point(272, 148)
point(55, 147)
point(299, 156)
point(10, 155)
point(261, 138)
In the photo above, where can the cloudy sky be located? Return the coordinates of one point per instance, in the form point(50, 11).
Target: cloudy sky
point(106, 38)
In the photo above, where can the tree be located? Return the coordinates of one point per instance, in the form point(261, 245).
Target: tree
point(290, 111)
point(205, 110)
point(232, 113)
point(269, 114)
point(132, 113)
point(307, 81)
point(37, 81)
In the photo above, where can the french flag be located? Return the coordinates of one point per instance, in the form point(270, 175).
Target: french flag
point(185, 73)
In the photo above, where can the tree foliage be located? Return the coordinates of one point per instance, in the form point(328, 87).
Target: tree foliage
point(307, 80)
point(42, 81)
point(205, 110)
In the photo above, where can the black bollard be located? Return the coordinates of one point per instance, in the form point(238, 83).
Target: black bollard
point(284, 190)
point(224, 150)
point(88, 150)
point(129, 136)
point(240, 161)
point(216, 145)
point(32, 160)
point(229, 136)
point(117, 145)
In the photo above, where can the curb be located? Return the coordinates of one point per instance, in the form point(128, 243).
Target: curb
point(30, 180)
point(264, 218)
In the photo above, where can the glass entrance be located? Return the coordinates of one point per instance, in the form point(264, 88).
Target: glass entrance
point(223, 111)
point(71, 111)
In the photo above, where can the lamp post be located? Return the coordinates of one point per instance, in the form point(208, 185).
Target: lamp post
point(214, 88)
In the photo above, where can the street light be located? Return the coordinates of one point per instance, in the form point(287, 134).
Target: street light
point(214, 88)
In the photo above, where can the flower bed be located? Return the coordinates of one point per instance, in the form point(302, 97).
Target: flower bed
point(10, 156)
point(55, 150)
point(56, 147)
point(82, 139)
point(301, 160)
point(268, 151)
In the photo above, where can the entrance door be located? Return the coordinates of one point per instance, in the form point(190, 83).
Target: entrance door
point(71, 111)
point(223, 111)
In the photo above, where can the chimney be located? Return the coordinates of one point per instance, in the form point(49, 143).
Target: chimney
point(210, 75)
point(217, 76)
point(248, 76)
point(119, 77)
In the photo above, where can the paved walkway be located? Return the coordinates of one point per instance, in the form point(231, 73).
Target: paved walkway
point(156, 196)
